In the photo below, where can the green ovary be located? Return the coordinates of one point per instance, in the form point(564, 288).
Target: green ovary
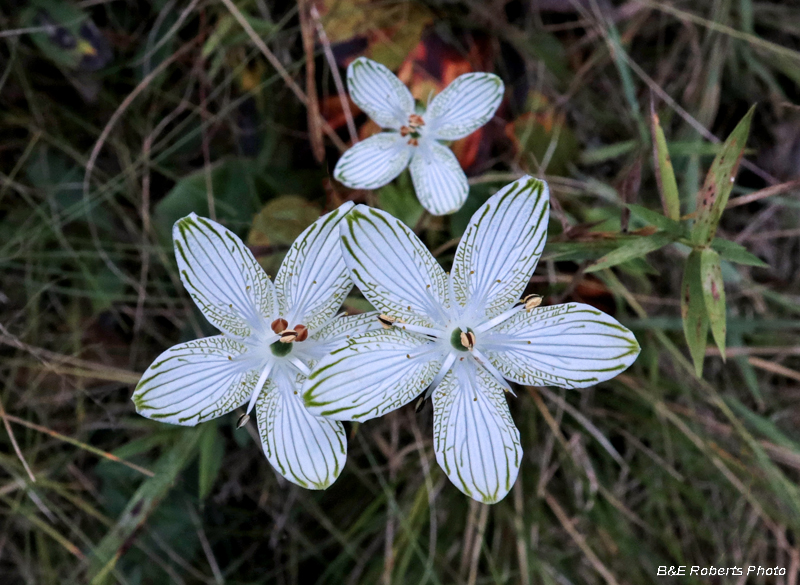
point(281, 349)
point(455, 339)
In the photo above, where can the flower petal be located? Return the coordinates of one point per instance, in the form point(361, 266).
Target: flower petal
point(379, 93)
point(501, 247)
point(393, 269)
point(313, 280)
point(374, 373)
point(195, 381)
point(335, 334)
point(465, 105)
point(440, 183)
point(305, 449)
point(222, 276)
point(347, 326)
point(570, 346)
point(373, 162)
point(476, 441)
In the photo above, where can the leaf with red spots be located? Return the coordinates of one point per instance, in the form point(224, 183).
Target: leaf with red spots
point(714, 295)
point(713, 197)
point(693, 310)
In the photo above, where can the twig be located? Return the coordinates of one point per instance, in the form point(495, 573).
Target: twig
point(469, 532)
point(579, 539)
point(394, 462)
point(207, 550)
point(99, 146)
point(774, 368)
point(312, 109)
point(71, 441)
point(477, 544)
point(519, 528)
point(236, 13)
point(212, 208)
point(426, 471)
point(47, 357)
point(337, 78)
point(14, 442)
point(763, 193)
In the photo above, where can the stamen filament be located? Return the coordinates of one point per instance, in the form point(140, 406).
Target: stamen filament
point(499, 319)
point(257, 390)
point(420, 329)
point(446, 364)
point(302, 368)
point(326, 323)
point(484, 361)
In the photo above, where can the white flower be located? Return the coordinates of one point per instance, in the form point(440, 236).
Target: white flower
point(271, 337)
point(463, 335)
point(413, 138)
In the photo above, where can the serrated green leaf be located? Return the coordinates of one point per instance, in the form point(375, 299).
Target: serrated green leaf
point(734, 252)
point(693, 311)
point(212, 452)
point(714, 295)
point(639, 247)
point(665, 176)
point(654, 218)
point(713, 197)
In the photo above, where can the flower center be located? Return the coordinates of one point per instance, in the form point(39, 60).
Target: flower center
point(281, 349)
point(462, 340)
point(283, 346)
point(415, 122)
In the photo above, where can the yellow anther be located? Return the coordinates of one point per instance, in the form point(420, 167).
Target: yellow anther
point(415, 121)
point(468, 339)
point(532, 301)
point(387, 321)
point(288, 336)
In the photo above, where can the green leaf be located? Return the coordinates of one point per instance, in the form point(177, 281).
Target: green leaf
point(281, 220)
point(228, 34)
point(734, 252)
point(548, 49)
point(593, 156)
point(714, 295)
point(639, 247)
point(141, 505)
point(478, 194)
point(235, 184)
point(542, 132)
point(400, 200)
point(212, 451)
point(763, 425)
point(713, 197)
point(693, 311)
point(654, 218)
point(665, 176)
point(581, 251)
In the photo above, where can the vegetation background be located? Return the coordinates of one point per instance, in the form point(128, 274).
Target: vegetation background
point(117, 117)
